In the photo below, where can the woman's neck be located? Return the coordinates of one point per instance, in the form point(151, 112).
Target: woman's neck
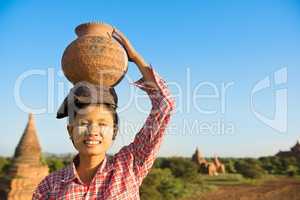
point(88, 166)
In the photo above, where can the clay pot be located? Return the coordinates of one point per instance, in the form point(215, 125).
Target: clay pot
point(95, 56)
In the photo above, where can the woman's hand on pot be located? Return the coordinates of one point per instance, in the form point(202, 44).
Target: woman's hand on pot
point(132, 54)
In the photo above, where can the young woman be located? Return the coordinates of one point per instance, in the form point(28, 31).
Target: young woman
point(92, 128)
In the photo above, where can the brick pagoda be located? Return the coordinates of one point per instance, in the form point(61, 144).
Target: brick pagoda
point(27, 169)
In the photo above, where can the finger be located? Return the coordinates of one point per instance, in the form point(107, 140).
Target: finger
point(117, 33)
point(122, 44)
point(121, 36)
point(118, 37)
point(125, 44)
point(118, 40)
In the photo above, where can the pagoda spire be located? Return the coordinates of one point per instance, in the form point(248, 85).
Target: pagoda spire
point(28, 149)
point(27, 170)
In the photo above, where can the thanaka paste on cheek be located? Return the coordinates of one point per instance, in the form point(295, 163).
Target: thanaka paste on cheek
point(106, 130)
point(81, 131)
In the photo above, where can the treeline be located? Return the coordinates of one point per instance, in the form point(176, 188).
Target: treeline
point(176, 178)
point(179, 178)
point(256, 168)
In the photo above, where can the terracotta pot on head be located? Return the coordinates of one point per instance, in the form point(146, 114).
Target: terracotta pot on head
point(95, 56)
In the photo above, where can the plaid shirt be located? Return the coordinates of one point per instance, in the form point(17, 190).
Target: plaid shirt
point(118, 177)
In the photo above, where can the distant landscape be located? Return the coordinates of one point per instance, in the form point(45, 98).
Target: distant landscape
point(180, 178)
point(212, 87)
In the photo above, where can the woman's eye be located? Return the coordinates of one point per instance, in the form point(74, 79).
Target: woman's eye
point(84, 124)
point(102, 124)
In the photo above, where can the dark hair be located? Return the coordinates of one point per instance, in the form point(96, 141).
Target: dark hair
point(112, 108)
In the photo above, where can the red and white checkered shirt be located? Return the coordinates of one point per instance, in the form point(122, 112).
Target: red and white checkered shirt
point(118, 177)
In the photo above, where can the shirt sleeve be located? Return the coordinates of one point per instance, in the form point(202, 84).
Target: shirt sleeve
point(42, 190)
point(146, 143)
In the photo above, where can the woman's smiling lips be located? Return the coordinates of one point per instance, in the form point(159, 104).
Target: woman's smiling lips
point(91, 142)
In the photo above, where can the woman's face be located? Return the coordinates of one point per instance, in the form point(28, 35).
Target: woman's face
point(92, 130)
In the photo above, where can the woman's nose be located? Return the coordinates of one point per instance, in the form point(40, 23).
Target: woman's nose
point(94, 130)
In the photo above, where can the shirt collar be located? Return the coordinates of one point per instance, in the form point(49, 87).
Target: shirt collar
point(71, 173)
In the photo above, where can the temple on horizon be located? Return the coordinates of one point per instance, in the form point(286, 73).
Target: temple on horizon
point(27, 170)
point(294, 151)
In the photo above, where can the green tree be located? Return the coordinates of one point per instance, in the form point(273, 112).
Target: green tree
point(54, 164)
point(249, 168)
point(229, 165)
point(4, 165)
point(160, 184)
point(181, 168)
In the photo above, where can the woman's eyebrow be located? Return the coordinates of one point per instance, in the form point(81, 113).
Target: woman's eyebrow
point(102, 120)
point(83, 120)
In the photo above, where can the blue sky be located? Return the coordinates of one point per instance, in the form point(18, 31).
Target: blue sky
point(197, 45)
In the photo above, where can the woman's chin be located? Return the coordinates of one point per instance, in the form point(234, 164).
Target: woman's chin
point(92, 152)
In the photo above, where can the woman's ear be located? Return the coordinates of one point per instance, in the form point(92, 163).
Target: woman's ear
point(70, 129)
point(116, 129)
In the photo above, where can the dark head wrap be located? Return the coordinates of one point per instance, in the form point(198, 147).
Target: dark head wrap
point(85, 93)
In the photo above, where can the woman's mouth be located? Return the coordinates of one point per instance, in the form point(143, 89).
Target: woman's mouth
point(91, 142)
